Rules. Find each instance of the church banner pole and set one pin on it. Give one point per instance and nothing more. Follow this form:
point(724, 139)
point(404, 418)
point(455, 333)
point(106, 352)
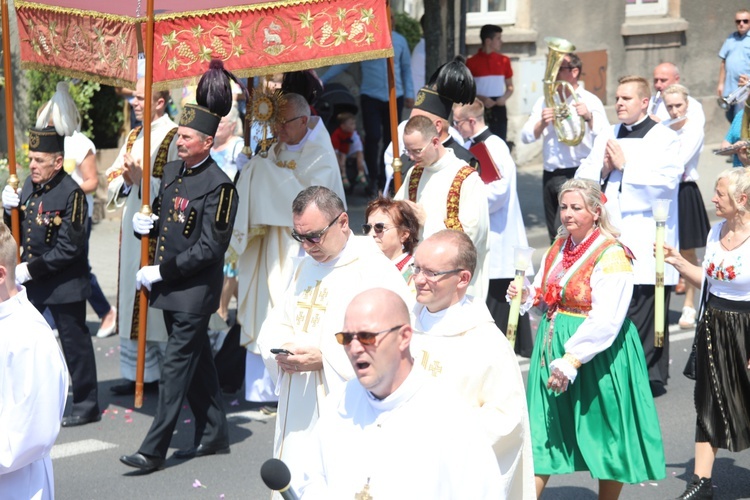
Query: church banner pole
point(13, 181)
point(140, 366)
point(393, 108)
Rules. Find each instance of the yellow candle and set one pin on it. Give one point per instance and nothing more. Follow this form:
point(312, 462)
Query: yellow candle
point(515, 308)
point(659, 288)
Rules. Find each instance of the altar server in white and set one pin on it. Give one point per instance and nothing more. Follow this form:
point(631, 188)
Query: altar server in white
point(457, 342)
point(338, 266)
point(637, 162)
point(33, 388)
point(262, 240)
point(394, 432)
point(451, 193)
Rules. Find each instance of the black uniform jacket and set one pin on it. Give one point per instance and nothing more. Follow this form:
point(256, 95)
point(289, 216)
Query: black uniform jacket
point(53, 240)
point(196, 208)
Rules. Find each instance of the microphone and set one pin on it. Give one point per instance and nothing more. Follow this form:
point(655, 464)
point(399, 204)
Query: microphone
point(277, 477)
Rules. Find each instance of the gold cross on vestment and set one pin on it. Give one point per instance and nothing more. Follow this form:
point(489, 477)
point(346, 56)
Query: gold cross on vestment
point(433, 367)
point(313, 300)
point(364, 494)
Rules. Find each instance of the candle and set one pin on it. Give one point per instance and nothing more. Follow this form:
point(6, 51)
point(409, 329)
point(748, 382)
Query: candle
point(660, 210)
point(521, 259)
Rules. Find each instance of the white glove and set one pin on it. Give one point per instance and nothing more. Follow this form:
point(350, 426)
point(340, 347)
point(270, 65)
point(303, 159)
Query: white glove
point(147, 276)
point(10, 198)
point(143, 224)
point(22, 272)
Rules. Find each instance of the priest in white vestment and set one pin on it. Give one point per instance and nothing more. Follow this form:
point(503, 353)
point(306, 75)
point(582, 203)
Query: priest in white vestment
point(637, 162)
point(394, 433)
point(457, 342)
point(124, 190)
point(33, 388)
point(452, 196)
point(262, 238)
point(338, 265)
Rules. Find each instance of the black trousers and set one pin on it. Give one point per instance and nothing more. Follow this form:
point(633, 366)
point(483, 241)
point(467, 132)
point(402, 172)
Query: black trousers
point(78, 350)
point(376, 119)
point(188, 370)
point(641, 313)
point(497, 121)
point(551, 184)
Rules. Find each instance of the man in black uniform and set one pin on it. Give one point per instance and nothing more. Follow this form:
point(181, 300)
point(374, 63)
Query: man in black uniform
point(54, 267)
point(196, 207)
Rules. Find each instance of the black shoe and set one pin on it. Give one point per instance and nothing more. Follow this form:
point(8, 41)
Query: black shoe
point(203, 450)
point(128, 388)
point(76, 420)
point(143, 462)
point(698, 489)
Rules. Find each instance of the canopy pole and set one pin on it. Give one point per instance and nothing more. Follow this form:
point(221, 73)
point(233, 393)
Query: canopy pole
point(13, 181)
point(140, 366)
point(393, 105)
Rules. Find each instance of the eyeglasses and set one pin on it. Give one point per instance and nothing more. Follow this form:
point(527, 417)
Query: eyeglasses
point(365, 338)
point(379, 227)
point(741, 21)
point(456, 123)
point(316, 236)
point(569, 68)
point(414, 152)
point(431, 275)
point(284, 123)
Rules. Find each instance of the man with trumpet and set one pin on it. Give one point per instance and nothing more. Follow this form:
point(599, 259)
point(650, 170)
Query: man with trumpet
point(561, 160)
point(666, 74)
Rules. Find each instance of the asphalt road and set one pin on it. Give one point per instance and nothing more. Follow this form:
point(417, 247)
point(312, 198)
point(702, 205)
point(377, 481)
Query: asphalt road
point(86, 458)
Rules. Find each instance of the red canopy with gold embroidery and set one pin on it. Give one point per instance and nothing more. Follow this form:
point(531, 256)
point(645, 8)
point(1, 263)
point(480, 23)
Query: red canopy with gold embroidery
point(101, 42)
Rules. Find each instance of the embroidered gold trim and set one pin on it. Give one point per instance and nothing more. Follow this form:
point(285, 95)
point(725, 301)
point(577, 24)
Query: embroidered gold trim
point(232, 10)
point(20, 4)
point(454, 197)
point(83, 75)
point(574, 362)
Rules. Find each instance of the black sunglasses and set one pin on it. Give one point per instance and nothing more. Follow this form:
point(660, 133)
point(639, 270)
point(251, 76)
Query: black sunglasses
point(317, 235)
point(365, 338)
point(379, 228)
point(741, 21)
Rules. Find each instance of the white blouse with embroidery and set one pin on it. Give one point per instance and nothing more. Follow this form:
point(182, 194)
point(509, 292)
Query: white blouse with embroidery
point(727, 271)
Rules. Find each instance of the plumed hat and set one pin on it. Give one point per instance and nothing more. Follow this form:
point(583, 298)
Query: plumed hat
point(213, 99)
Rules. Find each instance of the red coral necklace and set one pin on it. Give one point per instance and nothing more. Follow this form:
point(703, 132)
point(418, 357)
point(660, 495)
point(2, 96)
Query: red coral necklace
point(571, 255)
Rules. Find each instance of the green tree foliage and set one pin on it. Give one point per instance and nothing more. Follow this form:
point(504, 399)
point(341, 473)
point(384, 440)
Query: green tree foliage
point(409, 28)
point(100, 108)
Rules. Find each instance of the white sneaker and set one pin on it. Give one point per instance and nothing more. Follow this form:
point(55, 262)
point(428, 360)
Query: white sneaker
point(687, 320)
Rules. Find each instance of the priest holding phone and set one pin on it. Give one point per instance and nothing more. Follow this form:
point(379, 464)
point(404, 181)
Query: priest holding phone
point(338, 266)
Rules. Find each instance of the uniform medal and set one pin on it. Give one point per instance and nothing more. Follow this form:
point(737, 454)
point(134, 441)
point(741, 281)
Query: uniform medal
point(180, 204)
point(39, 219)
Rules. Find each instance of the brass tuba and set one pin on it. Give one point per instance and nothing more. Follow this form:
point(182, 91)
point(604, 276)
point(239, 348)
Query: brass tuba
point(554, 90)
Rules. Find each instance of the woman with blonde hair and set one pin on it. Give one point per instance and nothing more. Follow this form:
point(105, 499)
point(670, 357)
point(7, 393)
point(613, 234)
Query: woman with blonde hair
point(590, 406)
point(722, 339)
point(692, 219)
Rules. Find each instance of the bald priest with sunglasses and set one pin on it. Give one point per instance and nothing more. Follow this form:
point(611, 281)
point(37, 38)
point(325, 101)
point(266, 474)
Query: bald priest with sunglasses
point(457, 343)
point(297, 339)
point(394, 433)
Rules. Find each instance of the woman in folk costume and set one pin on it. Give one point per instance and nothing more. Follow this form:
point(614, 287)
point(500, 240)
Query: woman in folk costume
point(722, 344)
point(590, 405)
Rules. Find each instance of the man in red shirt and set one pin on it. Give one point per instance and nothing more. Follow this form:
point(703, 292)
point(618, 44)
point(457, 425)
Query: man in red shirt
point(494, 77)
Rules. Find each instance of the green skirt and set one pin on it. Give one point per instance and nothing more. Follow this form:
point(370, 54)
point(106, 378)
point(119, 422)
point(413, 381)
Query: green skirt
point(606, 421)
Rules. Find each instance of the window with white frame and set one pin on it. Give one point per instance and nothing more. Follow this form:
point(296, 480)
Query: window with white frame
point(634, 8)
point(481, 12)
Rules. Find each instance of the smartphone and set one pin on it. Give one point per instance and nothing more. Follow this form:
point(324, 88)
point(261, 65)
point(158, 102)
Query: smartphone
point(281, 351)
